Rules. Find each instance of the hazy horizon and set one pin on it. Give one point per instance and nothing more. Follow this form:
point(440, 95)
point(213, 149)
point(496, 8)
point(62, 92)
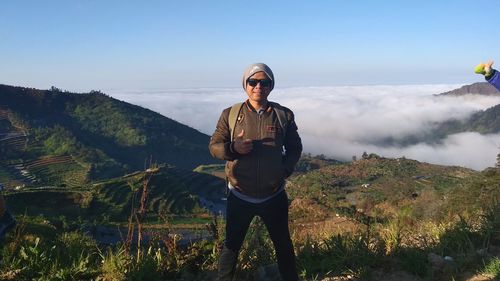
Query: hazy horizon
point(356, 117)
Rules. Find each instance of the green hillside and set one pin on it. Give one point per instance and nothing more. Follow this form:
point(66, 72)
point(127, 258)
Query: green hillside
point(172, 191)
point(51, 137)
point(374, 182)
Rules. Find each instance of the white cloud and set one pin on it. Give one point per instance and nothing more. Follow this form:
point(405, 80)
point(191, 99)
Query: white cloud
point(471, 150)
point(344, 121)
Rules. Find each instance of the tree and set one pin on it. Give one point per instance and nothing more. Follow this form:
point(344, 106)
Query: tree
point(498, 161)
point(55, 89)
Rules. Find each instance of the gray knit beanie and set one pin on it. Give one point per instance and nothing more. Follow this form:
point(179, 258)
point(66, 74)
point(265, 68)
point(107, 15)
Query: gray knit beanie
point(254, 68)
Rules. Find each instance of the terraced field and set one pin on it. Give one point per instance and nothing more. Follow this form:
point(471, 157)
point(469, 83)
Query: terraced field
point(12, 142)
point(169, 195)
point(11, 138)
point(49, 202)
point(171, 191)
point(205, 185)
point(60, 170)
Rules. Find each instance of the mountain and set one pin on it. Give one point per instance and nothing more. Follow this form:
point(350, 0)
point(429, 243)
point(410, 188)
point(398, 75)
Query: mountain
point(480, 88)
point(52, 137)
point(483, 122)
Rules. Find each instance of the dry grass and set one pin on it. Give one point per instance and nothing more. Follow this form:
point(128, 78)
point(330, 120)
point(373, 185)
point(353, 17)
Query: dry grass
point(320, 230)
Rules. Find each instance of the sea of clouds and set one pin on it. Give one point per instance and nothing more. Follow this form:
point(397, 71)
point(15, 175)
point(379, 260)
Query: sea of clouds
point(345, 121)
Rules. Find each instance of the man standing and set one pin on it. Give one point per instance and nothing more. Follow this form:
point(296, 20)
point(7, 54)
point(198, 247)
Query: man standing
point(260, 142)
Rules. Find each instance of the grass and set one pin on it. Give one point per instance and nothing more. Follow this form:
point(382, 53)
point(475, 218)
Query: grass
point(492, 267)
point(337, 255)
point(38, 251)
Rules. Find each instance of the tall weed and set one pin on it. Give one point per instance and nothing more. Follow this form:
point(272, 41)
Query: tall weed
point(114, 265)
point(338, 254)
point(492, 267)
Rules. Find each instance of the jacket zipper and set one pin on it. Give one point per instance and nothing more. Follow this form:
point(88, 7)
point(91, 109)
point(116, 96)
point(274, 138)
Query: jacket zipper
point(258, 154)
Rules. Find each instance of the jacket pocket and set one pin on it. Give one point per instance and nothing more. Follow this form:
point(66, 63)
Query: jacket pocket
point(243, 172)
point(273, 171)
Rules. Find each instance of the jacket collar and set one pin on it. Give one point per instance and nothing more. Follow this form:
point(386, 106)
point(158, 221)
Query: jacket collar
point(267, 108)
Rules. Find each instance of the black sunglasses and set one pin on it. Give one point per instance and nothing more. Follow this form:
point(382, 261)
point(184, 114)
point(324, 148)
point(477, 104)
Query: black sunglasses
point(263, 82)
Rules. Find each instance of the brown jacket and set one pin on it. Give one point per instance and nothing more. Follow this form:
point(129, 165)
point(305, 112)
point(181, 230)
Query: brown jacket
point(261, 172)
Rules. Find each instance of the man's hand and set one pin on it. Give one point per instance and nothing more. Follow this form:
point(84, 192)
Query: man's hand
point(242, 146)
point(484, 68)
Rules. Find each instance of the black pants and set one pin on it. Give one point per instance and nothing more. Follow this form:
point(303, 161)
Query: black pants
point(274, 214)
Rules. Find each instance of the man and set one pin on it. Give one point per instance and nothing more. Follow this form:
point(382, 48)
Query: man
point(256, 169)
point(491, 75)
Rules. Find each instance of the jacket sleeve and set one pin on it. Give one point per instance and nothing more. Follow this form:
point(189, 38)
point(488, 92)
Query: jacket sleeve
point(293, 146)
point(220, 145)
point(495, 79)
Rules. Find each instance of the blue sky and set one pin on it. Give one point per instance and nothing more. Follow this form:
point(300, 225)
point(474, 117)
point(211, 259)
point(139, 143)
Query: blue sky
point(99, 44)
